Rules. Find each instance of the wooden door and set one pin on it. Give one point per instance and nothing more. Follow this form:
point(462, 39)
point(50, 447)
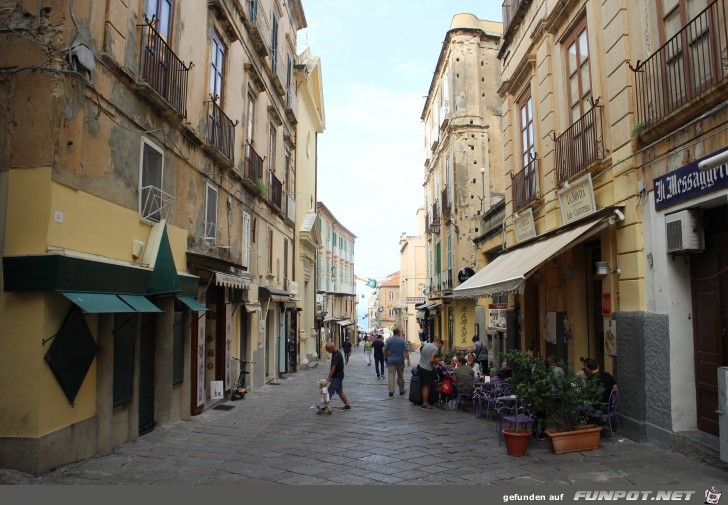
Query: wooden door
point(709, 282)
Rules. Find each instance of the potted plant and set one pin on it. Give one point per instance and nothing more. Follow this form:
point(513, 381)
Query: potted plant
point(532, 385)
point(568, 409)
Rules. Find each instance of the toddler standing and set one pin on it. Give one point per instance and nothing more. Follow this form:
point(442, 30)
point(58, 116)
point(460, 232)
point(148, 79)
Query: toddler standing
point(325, 398)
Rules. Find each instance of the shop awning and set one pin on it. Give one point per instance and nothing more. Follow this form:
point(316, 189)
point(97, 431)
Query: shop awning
point(231, 281)
point(329, 319)
point(345, 322)
point(508, 271)
point(95, 303)
point(139, 303)
point(273, 294)
point(192, 303)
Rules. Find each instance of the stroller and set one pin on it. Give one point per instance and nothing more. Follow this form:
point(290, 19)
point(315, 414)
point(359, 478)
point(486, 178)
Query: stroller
point(445, 387)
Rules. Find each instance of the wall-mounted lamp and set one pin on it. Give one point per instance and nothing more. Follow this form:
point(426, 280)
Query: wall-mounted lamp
point(602, 268)
point(435, 228)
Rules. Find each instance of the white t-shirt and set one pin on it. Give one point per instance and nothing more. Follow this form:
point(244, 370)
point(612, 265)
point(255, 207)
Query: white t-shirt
point(325, 394)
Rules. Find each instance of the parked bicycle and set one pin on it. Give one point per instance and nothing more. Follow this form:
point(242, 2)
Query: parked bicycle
point(239, 390)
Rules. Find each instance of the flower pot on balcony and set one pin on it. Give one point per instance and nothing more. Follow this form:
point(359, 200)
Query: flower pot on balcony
point(516, 441)
point(583, 438)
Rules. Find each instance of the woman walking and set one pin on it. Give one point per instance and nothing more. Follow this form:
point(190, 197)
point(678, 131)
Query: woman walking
point(368, 349)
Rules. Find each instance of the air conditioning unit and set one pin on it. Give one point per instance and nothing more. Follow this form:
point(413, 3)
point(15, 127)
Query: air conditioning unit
point(684, 232)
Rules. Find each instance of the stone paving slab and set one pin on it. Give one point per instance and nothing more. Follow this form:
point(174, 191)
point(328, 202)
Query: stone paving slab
point(273, 437)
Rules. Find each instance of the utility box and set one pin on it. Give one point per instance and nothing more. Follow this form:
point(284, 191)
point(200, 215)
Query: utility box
point(723, 411)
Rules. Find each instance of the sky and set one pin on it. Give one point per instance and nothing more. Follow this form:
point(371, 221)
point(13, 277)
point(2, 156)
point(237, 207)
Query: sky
point(377, 62)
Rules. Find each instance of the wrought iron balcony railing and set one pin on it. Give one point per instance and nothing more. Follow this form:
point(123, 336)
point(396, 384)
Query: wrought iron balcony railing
point(160, 67)
point(446, 203)
point(525, 185)
point(253, 168)
point(688, 64)
point(155, 204)
point(276, 191)
point(260, 28)
point(580, 145)
point(447, 279)
point(220, 130)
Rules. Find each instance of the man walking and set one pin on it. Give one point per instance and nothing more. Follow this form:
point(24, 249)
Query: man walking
point(378, 346)
point(395, 354)
point(336, 375)
point(347, 350)
point(428, 358)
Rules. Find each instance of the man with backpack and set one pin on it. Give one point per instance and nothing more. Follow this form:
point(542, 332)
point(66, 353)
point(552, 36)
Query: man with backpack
point(481, 354)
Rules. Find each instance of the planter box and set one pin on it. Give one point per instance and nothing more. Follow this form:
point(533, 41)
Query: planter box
point(584, 438)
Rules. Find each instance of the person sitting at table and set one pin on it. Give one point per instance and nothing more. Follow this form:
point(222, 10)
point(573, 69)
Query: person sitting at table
point(464, 377)
point(454, 360)
point(551, 364)
point(604, 378)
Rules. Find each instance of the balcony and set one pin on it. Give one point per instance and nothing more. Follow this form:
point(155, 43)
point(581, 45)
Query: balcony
point(281, 79)
point(259, 27)
point(220, 133)
point(253, 167)
point(580, 145)
point(446, 201)
point(525, 185)
point(686, 66)
point(275, 192)
point(446, 281)
point(291, 104)
point(163, 71)
point(513, 13)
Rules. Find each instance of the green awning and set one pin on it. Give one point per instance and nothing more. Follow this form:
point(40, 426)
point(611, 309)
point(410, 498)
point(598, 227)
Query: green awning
point(192, 303)
point(140, 303)
point(94, 303)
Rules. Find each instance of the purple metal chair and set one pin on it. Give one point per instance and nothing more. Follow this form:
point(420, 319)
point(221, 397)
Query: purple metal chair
point(611, 411)
point(509, 414)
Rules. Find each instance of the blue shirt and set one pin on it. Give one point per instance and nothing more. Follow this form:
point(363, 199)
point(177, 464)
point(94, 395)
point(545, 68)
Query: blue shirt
point(395, 347)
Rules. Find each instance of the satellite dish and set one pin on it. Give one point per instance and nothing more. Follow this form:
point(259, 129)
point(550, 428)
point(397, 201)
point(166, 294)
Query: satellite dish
point(464, 274)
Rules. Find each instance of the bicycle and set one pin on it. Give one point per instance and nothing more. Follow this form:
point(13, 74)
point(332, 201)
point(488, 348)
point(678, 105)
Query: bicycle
point(239, 390)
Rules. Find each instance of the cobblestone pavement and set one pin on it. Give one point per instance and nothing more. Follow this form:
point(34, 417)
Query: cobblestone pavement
point(273, 436)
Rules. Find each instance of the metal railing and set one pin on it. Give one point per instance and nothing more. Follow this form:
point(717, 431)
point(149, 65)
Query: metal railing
point(447, 279)
point(510, 8)
point(580, 145)
point(155, 204)
point(446, 203)
point(160, 67)
point(525, 185)
point(276, 191)
point(259, 23)
point(253, 168)
point(692, 61)
point(220, 130)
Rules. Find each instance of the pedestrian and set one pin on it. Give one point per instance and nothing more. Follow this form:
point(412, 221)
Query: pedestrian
point(481, 354)
point(378, 346)
point(395, 354)
point(325, 404)
point(428, 358)
point(336, 375)
point(347, 350)
point(368, 351)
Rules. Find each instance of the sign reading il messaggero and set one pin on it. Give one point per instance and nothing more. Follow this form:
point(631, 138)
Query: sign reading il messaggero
point(689, 182)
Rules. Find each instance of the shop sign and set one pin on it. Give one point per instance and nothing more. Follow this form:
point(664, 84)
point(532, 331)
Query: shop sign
point(497, 316)
point(577, 200)
point(689, 182)
point(415, 299)
point(524, 226)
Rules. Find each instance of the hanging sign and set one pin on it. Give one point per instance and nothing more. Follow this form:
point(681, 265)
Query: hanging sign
point(577, 200)
point(524, 227)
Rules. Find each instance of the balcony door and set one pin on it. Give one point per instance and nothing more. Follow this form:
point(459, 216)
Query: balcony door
point(580, 98)
point(688, 58)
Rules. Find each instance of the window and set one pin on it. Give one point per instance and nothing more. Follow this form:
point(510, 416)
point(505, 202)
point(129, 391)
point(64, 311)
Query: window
point(391, 313)
point(285, 258)
point(391, 295)
point(217, 61)
point(448, 189)
point(274, 45)
point(449, 251)
point(246, 241)
point(528, 149)
point(577, 71)
point(270, 251)
point(161, 12)
point(150, 181)
point(211, 215)
point(250, 125)
point(272, 154)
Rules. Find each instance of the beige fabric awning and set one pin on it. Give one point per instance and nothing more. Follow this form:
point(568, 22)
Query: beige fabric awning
point(508, 271)
point(231, 281)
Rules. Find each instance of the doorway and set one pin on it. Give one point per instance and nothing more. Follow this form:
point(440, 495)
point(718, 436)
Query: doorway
point(709, 287)
point(147, 336)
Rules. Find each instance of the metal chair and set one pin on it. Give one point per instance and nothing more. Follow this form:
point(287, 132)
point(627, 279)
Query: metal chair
point(611, 411)
point(464, 393)
point(512, 414)
point(494, 390)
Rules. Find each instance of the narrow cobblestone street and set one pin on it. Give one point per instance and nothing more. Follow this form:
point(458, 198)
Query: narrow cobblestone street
point(273, 436)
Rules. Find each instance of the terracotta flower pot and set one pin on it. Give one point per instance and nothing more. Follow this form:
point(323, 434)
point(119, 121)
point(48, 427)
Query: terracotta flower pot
point(584, 438)
point(516, 441)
